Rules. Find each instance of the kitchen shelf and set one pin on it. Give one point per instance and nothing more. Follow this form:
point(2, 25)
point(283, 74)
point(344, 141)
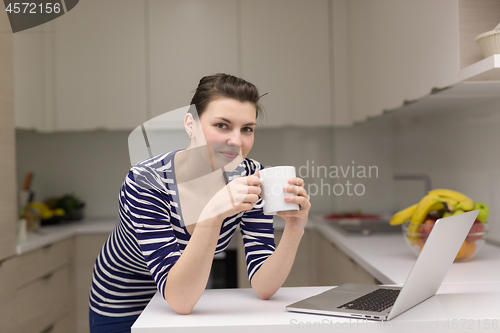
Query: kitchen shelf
point(485, 70)
point(477, 84)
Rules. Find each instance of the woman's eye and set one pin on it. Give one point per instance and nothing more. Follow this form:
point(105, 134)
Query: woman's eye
point(247, 129)
point(221, 126)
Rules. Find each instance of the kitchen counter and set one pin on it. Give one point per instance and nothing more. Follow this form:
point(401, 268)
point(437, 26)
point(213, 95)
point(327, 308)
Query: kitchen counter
point(50, 234)
point(389, 259)
point(240, 310)
point(471, 291)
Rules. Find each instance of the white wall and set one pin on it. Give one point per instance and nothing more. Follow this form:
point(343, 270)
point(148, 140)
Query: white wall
point(459, 151)
point(92, 165)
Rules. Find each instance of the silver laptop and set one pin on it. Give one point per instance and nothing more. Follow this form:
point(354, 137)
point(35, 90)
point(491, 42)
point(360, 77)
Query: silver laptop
point(384, 303)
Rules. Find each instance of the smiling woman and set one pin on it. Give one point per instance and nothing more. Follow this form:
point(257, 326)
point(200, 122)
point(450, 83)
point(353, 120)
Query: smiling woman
point(177, 210)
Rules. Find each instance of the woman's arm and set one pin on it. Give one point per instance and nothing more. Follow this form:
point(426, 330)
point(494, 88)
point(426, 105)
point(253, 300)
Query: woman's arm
point(188, 278)
point(274, 271)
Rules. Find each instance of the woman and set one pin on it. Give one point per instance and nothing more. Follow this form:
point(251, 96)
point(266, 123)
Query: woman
point(179, 209)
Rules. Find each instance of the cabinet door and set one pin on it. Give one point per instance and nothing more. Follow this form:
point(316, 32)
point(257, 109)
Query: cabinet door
point(8, 204)
point(189, 39)
point(87, 248)
point(100, 66)
point(285, 52)
point(8, 275)
point(34, 78)
point(400, 50)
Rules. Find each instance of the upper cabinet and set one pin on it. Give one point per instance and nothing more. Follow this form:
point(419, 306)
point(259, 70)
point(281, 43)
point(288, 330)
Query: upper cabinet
point(83, 71)
point(100, 66)
point(404, 53)
point(285, 47)
point(186, 41)
point(8, 202)
point(115, 64)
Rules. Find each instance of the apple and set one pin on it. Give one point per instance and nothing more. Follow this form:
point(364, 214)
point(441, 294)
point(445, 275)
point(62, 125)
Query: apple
point(426, 228)
point(476, 231)
point(483, 211)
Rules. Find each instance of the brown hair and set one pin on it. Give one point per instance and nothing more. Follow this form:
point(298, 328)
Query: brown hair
point(223, 85)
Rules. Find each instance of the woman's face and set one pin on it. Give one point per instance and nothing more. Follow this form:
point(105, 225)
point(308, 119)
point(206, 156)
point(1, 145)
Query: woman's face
point(228, 127)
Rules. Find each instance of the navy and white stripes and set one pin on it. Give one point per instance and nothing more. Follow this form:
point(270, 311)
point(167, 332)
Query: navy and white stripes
point(149, 238)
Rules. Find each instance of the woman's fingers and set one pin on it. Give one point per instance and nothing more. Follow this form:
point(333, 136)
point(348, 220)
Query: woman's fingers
point(296, 181)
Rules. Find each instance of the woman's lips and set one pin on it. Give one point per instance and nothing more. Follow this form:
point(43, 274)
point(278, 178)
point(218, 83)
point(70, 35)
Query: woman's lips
point(230, 154)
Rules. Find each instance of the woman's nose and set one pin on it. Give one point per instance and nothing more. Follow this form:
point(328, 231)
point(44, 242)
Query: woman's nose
point(235, 138)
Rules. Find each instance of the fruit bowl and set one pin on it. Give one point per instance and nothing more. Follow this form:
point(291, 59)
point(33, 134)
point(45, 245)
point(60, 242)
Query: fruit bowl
point(471, 246)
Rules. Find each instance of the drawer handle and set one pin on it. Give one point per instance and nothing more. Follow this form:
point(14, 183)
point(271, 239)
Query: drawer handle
point(48, 329)
point(47, 276)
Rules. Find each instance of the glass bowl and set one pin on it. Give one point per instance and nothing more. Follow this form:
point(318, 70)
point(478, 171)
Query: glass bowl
point(416, 235)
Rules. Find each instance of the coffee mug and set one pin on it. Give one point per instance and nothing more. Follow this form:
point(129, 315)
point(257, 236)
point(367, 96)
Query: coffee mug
point(272, 181)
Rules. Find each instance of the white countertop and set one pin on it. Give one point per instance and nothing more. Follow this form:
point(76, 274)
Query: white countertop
point(471, 291)
point(389, 259)
point(53, 233)
point(240, 310)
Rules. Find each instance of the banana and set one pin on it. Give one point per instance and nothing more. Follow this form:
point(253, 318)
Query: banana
point(428, 203)
point(464, 202)
point(403, 215)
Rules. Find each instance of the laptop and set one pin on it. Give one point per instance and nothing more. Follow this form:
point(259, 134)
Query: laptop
point(377, 302)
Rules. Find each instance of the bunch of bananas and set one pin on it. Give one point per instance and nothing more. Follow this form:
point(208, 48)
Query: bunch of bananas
point(446, 202)
point(436, 204)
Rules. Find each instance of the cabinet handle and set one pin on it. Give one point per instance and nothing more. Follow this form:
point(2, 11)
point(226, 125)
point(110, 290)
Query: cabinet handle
point(48, 329)
point(47, 276)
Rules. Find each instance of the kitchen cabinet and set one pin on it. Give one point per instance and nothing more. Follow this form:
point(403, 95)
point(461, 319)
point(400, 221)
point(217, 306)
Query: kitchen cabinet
point(8, 313)
point(336, 268)
point(285, 53)
point(304, 269)
point(87, 247)
point(406, 51)
point(100, 72)
point(188, 40)
point(45, 276)
point(34, 78)
point(8, 190)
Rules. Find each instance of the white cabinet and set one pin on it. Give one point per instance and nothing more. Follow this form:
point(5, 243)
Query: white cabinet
point(87, 249)
point(34, 78)
point(285, 52)
point(99, 63)
point(406, 51)
point(188, 40)
point(400, 50)
point(8, 202)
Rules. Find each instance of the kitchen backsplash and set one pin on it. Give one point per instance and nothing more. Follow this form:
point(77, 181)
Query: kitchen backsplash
point(345, 168)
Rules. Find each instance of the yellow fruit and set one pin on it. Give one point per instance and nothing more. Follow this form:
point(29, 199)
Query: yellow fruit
point(403, 215)
point(464, 202)
point(59, 212)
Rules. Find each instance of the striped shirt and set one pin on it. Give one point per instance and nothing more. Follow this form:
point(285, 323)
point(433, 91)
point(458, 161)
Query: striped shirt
point(149, 238)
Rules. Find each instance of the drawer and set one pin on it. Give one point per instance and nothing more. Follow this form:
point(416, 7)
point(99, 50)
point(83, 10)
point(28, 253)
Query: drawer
point(63, 325)
point(41, 303)
point(8, 296)
point(38, 263)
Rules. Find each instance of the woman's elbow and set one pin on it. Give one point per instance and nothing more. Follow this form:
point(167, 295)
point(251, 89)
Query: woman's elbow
point(180, 307)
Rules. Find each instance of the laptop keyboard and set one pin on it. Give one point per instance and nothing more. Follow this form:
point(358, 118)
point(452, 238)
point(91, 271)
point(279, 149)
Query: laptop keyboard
point(376, 301)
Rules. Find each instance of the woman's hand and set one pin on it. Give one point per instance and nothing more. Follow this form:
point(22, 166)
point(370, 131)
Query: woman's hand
point(237, 196)
point(296, 219)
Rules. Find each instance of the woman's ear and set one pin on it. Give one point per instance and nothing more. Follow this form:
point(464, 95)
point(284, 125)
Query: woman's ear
point(189, 124)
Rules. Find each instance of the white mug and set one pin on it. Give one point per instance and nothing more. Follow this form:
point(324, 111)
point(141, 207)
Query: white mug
point(272, 181)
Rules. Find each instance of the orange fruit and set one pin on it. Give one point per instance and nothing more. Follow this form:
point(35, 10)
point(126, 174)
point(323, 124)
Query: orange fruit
point(462, 250)
point(469, 250)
